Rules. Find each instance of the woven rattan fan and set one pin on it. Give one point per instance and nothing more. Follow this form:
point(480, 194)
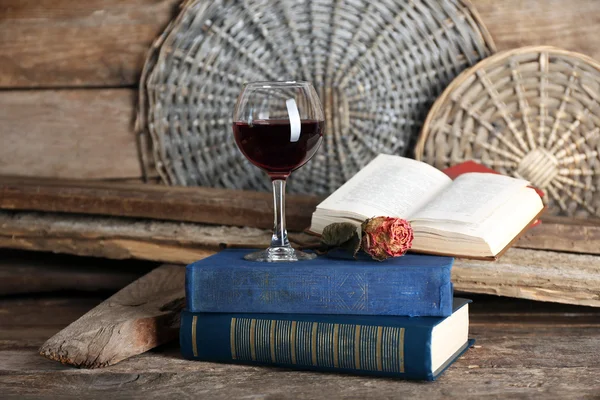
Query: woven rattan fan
point(533, 113)
point(377, 65)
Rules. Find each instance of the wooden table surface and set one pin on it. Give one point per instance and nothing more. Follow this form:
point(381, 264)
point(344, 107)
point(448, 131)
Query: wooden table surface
point(524, 349)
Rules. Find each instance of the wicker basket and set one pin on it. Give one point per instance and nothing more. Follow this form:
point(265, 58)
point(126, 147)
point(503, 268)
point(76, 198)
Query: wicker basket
point(533, 113)
point(377, 65)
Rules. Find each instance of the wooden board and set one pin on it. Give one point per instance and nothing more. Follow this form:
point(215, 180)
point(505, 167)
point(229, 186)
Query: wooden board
point(531, 274)
point(27, 273)
point(523, 350)
point(79, 134)
point(227, 207)
point(122, 238)
point(570, 24)
point(102, 44)
point(564, 234)
point(22, 325)
point(71, 43)
point(198, 204)
point(536, 275)
point(139, 317)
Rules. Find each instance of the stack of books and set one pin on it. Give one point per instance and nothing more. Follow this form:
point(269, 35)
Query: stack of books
point(392, 318)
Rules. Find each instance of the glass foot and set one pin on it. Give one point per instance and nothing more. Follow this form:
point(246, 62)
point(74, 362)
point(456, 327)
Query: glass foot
point(279, 254)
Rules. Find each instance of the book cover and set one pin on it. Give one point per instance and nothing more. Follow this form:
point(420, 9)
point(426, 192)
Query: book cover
point(411, 285)
point(372, 345)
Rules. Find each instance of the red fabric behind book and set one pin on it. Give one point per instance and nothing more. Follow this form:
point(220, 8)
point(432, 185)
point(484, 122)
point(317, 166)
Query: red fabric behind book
point(467, 166)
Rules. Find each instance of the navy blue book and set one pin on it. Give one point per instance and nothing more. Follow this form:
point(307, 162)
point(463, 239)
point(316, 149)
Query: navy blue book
point(411, 285)
point(411, 348)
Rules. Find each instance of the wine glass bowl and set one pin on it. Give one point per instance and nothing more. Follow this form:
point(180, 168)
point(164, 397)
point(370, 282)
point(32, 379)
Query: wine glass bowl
point(278, 126)
point(268, 145)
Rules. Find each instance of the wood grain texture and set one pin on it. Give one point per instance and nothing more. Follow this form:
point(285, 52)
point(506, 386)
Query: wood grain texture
point(122, 238)
point(522, 273)
point(69, 43)
point(78, 134)
point(27, 273)
point(197, 204)
point(22, 325)
point(570, 24)
point(228, 207)
point(524, 350)
point(535, 275)
point(564, 234)
point(139, 317)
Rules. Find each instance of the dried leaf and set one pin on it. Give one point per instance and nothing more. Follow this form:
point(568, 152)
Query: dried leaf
point(336, 234)
point(343, 236)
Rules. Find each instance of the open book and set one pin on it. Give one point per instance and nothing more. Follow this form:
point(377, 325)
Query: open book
point(478, 215)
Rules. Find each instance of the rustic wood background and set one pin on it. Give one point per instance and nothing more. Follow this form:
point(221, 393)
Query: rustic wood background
point(524, 350)
point(69, 71)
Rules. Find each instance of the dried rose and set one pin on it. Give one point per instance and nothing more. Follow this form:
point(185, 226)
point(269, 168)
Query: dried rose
point(385, 237)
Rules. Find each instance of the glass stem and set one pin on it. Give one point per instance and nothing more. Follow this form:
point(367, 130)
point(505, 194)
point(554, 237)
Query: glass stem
point(280, 238)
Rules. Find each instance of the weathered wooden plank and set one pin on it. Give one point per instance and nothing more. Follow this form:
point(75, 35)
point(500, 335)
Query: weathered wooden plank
point(486, 372)
point(122, 238)
point(59, 310)
point(197, 204)
point(524, 349)
point(564, 234)
point(140, 317)
point(23, 326)
point(78, 134)
point(67, 43)
point(27, 322)
point(27, 273)
point(227, 207)
point(570, 24)
point(220, 381)
point(535, 275)
point(522, 273)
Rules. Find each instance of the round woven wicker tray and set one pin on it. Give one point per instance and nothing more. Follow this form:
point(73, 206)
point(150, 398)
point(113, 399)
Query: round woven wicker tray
point(377, 66)
point(533, 113)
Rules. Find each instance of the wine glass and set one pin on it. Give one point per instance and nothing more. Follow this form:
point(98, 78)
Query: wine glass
point(278, 126)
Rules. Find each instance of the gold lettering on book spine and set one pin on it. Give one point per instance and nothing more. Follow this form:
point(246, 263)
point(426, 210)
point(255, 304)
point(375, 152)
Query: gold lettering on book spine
point(272, 341)
point(232, 338)
point(252, 339)
point(401, 346)
point(313, 343)
point(357, 347)
point(336, 341)
point(293, 342)
point(194, 344)
point(378, 349)
point(348, 346)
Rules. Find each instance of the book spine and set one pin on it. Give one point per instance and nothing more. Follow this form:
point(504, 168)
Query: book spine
point(322, 344)
point(371, 290)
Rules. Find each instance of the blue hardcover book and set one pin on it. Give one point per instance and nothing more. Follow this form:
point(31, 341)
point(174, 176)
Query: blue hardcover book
point(411, 348)
point(412, 285)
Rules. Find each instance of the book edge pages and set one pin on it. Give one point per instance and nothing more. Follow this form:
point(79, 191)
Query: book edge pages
point(488, 258)
point(468, 257)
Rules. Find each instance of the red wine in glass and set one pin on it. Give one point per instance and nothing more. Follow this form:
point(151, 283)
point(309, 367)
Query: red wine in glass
point(277, 146)
point(278, 126)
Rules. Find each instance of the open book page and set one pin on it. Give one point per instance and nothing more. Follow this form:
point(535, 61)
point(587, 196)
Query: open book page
point(488, 237)
point(471, 198)
point(389, 185)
